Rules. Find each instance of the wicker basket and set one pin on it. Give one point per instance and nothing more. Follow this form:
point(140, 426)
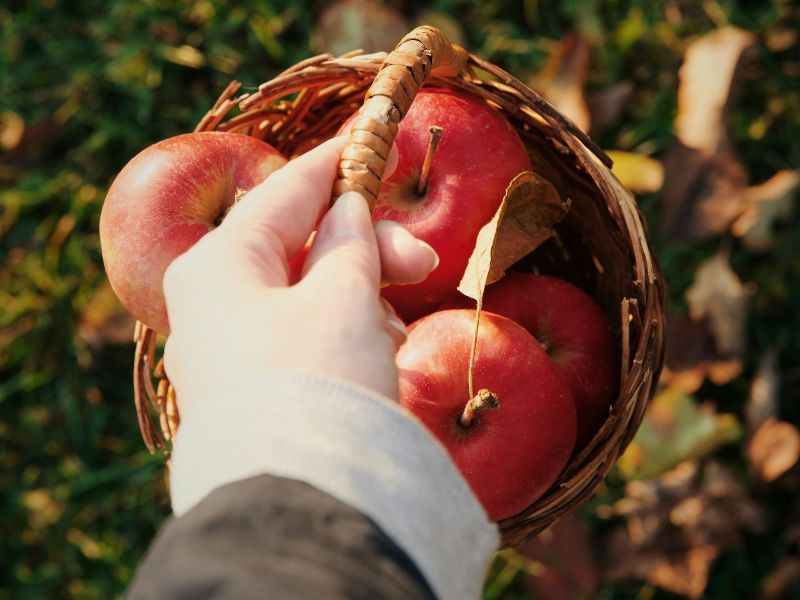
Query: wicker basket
point(601, 245)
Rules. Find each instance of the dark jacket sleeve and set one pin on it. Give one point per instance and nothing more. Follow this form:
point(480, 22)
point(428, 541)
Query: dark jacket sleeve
point(270, 537)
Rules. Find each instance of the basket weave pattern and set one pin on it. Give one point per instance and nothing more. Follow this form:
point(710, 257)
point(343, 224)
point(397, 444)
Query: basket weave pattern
point(603, 233)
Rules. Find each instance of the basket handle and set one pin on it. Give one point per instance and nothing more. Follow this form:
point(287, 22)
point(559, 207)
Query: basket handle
point(403, 73)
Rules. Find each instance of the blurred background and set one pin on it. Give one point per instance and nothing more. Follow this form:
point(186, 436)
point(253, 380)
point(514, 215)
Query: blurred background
point(697, 101)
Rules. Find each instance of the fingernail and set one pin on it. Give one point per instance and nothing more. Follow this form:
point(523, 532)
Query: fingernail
point(349, 217)
point(397, 324)
point(428, 248)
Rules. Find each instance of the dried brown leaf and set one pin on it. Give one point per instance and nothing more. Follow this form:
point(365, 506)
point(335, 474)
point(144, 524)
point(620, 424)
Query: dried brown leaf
point(703, 194)
point(566, 552)
point(719, 297)
point(773, 449)
point(370, 25)
point(12, 130)
point(707, 81)
point(682, 571)
point(764, 205)
point(762, 404)
point(563, 79)
point(640, 174)
point(690, 357)
point(526, 216)
point(677, 524)
point(648, 546)
point(19, 140)
point(780, 38)
point(705, 181)
point(606, 105)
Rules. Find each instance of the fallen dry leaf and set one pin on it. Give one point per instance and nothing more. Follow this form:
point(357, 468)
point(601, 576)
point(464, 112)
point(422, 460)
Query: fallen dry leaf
point(674, 429)
point(369, 25)
point(566, 553)
point(526, 216)
point(707, 80)
point(682, 571)
point(764, 205)
point(563, 79)
point(20, 141)
point(780, 38)
point(677, 524)
point(773, 449)
point(640, 174)
point(12, 130)
point(705, 181)
point(719, 297)
point(606, 105)
point(690, 357)
point(762, 403)
point(703, 194)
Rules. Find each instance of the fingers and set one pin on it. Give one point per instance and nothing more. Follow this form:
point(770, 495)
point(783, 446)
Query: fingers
point(289, 202)
point(275, 218)
point(404, 258)
point(395, 326)
point(345, 252)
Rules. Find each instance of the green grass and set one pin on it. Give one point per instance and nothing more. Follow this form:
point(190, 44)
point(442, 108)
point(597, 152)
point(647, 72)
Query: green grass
point(95, 82)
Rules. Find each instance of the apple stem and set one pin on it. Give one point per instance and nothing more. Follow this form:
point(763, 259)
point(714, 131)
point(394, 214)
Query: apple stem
point(433, 144)
point(482, 400)
point(544, 343)
point(237, 196)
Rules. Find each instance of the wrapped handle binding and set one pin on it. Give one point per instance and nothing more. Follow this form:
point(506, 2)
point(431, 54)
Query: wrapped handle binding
point(403, 73)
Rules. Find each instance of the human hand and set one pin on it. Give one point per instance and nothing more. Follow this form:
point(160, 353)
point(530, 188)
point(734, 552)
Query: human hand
point(234, 316)
point(258, 366)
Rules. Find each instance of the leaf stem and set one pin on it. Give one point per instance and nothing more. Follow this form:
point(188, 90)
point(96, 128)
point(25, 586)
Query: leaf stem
point(474, 346)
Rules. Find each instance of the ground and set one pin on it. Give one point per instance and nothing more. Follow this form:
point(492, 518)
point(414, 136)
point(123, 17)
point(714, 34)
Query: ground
point(85, 86)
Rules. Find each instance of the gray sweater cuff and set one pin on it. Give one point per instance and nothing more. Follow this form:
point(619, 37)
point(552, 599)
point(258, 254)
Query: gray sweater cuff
point(353, 444)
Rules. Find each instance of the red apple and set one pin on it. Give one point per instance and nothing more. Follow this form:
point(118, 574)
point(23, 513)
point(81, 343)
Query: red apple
point(478, 155)
point(573, 330)
point(509, 456)
point(164, 200)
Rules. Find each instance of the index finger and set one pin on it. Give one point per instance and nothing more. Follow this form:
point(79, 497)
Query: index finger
point(289, 203)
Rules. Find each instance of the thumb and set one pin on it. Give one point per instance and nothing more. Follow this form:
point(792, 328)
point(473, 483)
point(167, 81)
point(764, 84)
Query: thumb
point(345, 251)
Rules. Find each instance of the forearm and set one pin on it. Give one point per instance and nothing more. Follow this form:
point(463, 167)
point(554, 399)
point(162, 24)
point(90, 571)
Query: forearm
point(354, 445)
point(271, 537)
